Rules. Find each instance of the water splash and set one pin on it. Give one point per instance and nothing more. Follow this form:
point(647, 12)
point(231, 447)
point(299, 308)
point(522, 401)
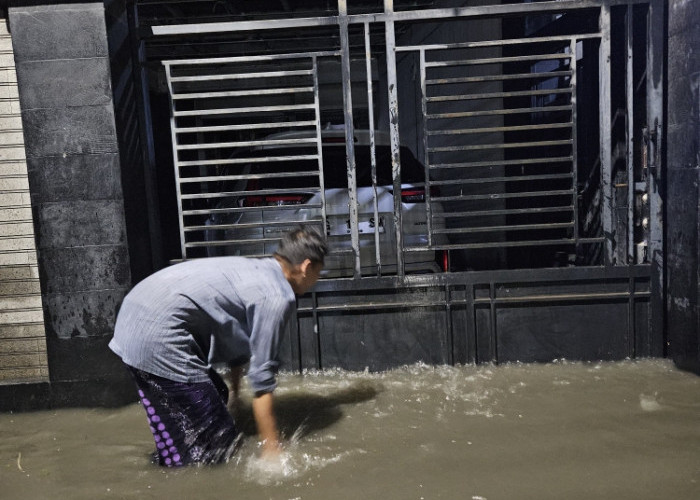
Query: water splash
point(291, 464)
point(266, 471)
point(294, 461)
point(649, 402)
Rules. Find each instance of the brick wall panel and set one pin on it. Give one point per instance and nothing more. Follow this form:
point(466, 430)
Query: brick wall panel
point(23, 354)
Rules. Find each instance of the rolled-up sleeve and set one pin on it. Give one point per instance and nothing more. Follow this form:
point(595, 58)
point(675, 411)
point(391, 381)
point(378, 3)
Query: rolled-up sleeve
point(268, 318)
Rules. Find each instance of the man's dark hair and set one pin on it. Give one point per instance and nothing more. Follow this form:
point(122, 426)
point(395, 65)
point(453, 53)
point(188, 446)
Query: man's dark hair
point(300, 244)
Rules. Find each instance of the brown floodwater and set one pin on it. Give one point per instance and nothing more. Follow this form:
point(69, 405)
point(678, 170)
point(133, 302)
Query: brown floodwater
point(625, 430)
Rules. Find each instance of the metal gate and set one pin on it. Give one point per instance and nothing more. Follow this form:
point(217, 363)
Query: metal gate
point(439, 150)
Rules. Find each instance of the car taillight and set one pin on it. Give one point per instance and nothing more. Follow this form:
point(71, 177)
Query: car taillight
point(275, 200)
point(445, 260)
point(417, 195)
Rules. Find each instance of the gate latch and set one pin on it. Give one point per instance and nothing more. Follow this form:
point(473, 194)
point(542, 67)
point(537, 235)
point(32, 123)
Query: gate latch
point(650, 150)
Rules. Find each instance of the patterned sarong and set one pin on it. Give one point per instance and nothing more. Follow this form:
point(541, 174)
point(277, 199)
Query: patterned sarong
point(189, 422)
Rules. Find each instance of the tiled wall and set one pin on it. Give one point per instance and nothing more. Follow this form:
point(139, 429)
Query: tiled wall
point(22, 334)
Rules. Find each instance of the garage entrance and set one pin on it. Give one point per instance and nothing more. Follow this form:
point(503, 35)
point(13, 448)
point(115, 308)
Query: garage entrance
point(487, 175)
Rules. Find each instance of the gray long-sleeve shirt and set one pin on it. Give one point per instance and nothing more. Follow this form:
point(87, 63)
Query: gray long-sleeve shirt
point(178, 321)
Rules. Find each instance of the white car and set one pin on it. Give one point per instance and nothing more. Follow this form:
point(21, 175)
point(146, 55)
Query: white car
point(251, 224)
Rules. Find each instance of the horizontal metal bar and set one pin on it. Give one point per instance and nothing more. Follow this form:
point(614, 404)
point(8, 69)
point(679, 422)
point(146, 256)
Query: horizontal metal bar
point(235, 111)
point(261, 192)
point(367, 306)
point(237, 26)
point(251, 225)
point(514, 128)
point(239, 242)
point(238, 59)
point(504, 228)
point(223, 243)
point(209, 211)
point(491, 112)
point(344, 238)
point(488, 180)
point(243, 93)
point(239, 161)
point(505, 163)
point(501, 196)
point(568, 297)
point(498, 43)
point(241, 76)
point(246, 126)
point(245, 177)
point(565, 297)
point(504, 145)
point(495, 78)
point(495, 60)
point(501, 244)
point(497, 95)
point(508, 211)
point(242, 144)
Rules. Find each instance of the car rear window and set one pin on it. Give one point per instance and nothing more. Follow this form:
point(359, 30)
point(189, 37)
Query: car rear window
point(334, 167)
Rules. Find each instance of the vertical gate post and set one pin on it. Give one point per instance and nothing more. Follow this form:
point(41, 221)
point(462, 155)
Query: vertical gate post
point(574, 141)
point(394, 129)
point(176, 166)
point(605, 127)
point(655, 116)
point(372, 146)
point(629, 93)
point(426, 161)
point(349, 134)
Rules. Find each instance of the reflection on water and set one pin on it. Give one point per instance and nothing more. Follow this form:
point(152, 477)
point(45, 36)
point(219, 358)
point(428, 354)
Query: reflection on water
point(627, 430)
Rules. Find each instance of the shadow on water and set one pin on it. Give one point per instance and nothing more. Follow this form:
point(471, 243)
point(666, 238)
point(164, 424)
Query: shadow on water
point(300, 413)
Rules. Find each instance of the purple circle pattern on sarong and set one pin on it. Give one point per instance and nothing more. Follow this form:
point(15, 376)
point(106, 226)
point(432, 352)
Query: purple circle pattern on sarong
point(160, 435)
point(189, 421)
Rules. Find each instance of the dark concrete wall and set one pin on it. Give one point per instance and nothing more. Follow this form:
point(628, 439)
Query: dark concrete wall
point(131, 109)
point(73, 160)
point(683, 184)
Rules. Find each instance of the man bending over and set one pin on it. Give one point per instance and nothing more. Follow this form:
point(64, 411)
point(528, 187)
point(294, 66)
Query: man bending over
point(176, 323)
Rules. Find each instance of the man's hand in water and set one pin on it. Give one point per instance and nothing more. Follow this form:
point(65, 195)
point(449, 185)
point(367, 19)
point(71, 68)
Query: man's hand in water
point(272, 451)
point(267, 425)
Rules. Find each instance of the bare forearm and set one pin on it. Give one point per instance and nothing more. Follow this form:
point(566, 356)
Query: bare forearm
point(267, 425)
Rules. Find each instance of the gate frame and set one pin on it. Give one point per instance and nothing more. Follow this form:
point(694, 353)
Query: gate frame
point(653, 343)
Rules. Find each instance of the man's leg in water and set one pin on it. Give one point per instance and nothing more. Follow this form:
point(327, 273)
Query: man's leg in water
point(190, 422)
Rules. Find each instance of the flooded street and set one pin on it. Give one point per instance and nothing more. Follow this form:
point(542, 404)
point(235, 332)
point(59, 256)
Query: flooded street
point(628, 430)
